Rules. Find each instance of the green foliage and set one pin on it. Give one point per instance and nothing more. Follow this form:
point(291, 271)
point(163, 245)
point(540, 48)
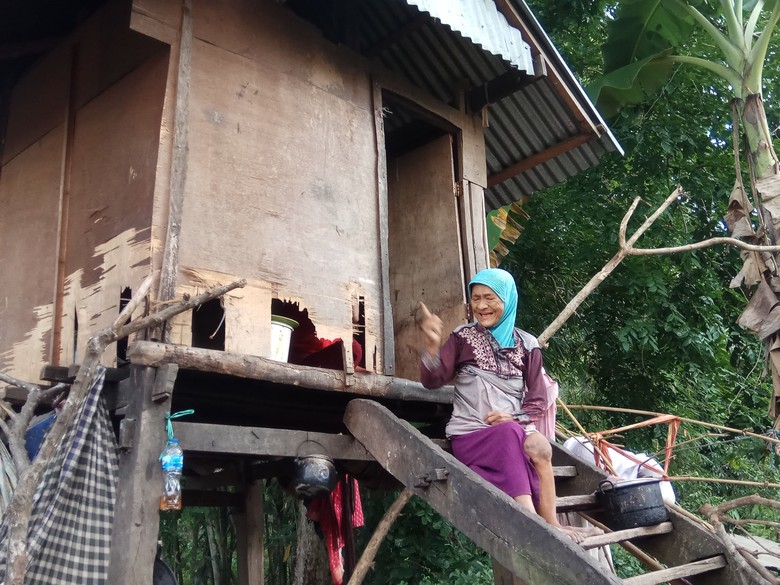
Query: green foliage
point(199, 545)
point(660, 333)
point(422, 548)
point(646, 37)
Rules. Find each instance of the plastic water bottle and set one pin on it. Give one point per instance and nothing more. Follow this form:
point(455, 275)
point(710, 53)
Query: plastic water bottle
point(172, 460)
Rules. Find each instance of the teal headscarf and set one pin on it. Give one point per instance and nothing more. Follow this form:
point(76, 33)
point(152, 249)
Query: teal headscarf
point(502, 283)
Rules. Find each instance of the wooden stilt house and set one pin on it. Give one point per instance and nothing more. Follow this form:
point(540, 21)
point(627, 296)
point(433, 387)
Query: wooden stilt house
point(340, 155)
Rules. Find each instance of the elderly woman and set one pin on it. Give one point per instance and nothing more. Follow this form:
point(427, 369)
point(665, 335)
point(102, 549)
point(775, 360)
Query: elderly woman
point(499, 395)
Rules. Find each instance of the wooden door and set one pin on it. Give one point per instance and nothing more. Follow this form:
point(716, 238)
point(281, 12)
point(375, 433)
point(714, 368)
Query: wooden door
point(424, 246)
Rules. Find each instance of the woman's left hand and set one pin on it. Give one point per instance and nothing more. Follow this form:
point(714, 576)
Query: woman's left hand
point(495, 417)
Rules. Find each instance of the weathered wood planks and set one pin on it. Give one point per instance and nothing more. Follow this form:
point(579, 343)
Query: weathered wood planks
point(246, 366)
point(517, 539)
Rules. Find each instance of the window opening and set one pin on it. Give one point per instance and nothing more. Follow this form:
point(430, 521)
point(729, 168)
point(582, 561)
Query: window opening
point(121, 346)
point(306, 347)
point(208, 326)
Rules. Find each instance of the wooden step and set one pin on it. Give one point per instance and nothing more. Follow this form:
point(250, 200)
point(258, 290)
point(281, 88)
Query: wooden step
point(563, 471)
point(627, 534)
point(679, 572)
point(576, 503)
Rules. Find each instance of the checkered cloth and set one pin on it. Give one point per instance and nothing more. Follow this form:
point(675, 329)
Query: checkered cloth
point(73, 509)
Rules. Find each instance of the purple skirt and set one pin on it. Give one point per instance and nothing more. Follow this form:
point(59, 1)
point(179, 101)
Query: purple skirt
point(496, 454)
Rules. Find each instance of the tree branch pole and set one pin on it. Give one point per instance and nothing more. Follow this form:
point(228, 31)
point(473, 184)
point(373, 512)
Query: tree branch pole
point(626, 248)
point(20, 507)
point(601, 276)
point(367, 558)
point(715, 515)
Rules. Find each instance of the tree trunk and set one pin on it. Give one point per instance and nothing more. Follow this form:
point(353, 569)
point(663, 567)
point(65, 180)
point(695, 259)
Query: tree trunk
point(765, 182)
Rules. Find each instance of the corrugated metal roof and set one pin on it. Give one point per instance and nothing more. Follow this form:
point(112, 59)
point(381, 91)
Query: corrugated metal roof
point(445, 46)
point(480, 22)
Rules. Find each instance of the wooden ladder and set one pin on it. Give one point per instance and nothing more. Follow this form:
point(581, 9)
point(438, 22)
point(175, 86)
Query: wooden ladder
point(524, 545)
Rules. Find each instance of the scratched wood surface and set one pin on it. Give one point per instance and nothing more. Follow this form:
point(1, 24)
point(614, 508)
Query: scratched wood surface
point(425, 249)
point(29, 199)
point(108, 234)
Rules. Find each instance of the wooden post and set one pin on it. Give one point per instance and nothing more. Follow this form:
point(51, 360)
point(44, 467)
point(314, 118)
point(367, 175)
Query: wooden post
point(136, 518)
point(249, 535)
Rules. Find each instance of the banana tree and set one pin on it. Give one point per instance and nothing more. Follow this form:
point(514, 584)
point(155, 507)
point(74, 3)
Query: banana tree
point(647, 39)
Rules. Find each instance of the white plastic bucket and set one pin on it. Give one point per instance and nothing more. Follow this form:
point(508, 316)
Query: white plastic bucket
point(281, 331)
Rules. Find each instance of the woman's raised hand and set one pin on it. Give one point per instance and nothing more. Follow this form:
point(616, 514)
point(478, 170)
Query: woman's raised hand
point(432, 328)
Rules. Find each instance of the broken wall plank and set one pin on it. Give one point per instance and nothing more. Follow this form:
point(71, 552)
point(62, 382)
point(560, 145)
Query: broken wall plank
point(246, 366)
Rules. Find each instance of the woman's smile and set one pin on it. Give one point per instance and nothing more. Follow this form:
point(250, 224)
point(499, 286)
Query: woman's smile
point(486, 306)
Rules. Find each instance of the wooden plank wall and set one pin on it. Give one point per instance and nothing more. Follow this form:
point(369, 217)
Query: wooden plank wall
point(425, 248)
point(81, 139)
point(112, 186)
point(281, 184)
point(28, 254)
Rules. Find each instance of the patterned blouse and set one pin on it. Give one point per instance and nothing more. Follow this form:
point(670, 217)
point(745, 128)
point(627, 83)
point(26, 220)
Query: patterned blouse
point(487, 377)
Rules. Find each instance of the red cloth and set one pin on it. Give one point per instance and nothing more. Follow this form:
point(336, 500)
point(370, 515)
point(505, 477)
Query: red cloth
point(327, 510)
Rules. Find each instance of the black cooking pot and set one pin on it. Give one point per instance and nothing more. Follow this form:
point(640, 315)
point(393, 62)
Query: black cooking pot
point(632, 503)
point(314, 475)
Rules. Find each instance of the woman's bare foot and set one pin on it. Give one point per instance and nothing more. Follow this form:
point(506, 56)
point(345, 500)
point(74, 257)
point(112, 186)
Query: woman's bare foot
point(580, 533)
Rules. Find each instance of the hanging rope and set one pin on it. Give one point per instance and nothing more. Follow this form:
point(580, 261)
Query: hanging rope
point(169, 417)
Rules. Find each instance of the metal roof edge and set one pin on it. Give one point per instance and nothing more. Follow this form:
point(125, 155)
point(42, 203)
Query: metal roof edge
point(552, 53)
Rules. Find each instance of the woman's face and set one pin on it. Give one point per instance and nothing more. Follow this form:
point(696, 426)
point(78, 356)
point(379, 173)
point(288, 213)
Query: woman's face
point(486, 305)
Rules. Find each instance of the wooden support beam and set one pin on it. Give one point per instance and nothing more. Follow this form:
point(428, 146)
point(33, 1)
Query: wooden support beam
point(261, 442)
point(170, 260)
point(151, 353)
point(537, 159)
point(388, 339)
point(515, 537)
point(538, 49)
point(498, 88)
point(136, 518)
point(249, 535)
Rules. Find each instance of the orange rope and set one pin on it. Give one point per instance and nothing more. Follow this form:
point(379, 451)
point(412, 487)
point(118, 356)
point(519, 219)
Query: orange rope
point(603, 446)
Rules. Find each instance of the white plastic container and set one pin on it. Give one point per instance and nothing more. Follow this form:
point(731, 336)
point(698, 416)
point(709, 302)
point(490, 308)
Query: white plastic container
point(281, 331)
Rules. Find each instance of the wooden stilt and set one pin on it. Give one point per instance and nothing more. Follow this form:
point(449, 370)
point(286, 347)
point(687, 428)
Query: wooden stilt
point(250, 533)
point(136, 519)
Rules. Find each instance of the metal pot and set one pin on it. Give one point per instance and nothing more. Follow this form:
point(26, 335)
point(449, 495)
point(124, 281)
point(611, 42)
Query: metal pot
point(632, 503)
point(314, 475)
